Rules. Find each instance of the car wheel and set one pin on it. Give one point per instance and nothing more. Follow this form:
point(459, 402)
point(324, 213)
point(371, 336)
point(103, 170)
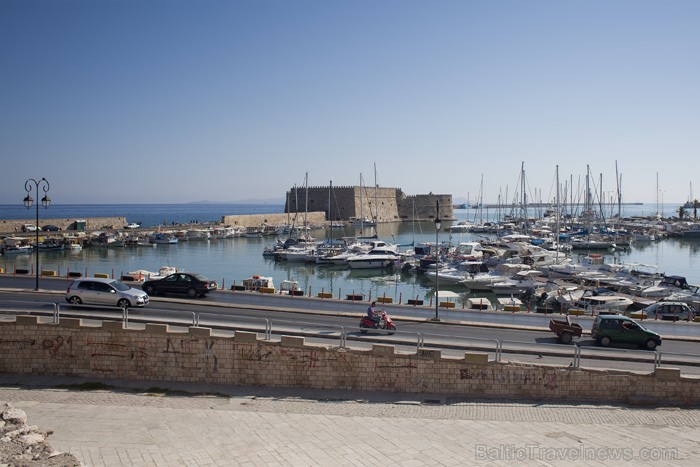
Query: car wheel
point(650, 344)
point(604, 341)
point(192, 293)
point(123, 303)
point(75, 300)
point(566, 337)
point(149, 289)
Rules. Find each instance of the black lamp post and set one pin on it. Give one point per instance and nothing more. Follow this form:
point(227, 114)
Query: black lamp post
point(28, 201)
point(438, 224)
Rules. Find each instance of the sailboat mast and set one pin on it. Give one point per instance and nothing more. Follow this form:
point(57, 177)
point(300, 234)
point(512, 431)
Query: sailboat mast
point(523, 200)
point(602, 200)
point(306, 205)
point(556, 239)
point(330, 206)
point(657, 194)
point(481, 201)
point(618, 178)
point(362, 216)
point(296, 211)
point(376, 201)
point(289, 207)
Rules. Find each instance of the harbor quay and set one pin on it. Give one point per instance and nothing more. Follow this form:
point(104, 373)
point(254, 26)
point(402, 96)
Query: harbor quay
point(67, 225)
point(14, 226)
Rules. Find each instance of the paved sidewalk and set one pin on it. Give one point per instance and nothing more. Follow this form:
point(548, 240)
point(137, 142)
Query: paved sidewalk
point(198, 425)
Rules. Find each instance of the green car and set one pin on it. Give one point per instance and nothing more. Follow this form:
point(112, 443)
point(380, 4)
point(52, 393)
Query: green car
point(619, 329)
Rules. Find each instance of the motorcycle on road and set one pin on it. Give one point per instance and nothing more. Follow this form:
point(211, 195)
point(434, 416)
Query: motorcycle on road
point(384, 323)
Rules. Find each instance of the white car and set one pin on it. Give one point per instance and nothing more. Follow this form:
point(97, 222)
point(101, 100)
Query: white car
point(29, 228)
point(133, 225)
point(109, 292)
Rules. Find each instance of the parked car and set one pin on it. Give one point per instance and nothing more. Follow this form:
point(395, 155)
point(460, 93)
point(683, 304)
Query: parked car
point(620, 329)
point(28, 228)
point(192, 284)
point(673, 311)
point(133, 225)
point(50, 228)
point(109, 292)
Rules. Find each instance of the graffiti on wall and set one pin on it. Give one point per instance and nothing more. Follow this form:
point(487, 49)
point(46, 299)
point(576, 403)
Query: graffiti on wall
point(58, 347)
point(105, 354)
point(185, 353)
point(16, 344)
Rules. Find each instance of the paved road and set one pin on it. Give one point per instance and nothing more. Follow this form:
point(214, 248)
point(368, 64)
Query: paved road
point(667, 329)
point(128, 426)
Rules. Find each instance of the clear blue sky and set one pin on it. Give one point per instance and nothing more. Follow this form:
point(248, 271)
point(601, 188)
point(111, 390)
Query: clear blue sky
point(179, 101)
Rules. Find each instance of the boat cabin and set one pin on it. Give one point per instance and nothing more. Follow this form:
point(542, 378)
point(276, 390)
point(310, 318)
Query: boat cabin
point(479, 303)
point(256, 283)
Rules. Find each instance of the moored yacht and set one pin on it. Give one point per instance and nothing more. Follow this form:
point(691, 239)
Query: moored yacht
point(381, 255)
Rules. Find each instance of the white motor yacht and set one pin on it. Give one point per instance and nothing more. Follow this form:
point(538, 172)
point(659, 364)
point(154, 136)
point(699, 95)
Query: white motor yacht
point(381, 255)
point(519, 283)
point(484, 280)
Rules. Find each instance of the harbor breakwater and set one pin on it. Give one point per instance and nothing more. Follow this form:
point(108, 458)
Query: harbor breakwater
point(107, 350)
point(14, 226)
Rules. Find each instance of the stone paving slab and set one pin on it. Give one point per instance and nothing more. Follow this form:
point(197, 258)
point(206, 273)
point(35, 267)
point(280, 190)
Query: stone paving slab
point(124, 426)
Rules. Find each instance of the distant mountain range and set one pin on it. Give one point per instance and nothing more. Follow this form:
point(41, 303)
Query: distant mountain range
point(274, 201)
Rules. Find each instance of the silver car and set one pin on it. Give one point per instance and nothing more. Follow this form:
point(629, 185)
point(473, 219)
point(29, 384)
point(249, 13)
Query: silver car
point(673, 311)
point(108, 292)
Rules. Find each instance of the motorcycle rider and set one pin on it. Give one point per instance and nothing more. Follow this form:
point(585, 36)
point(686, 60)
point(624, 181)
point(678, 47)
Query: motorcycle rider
point(372, 313)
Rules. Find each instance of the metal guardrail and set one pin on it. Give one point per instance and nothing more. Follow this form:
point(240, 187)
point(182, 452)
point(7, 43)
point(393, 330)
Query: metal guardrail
point(343, 332)
point(124, 312)
point(195, 319)
point(660, 355)
point(267, 329)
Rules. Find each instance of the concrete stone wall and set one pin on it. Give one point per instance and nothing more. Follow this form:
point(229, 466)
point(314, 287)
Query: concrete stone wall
point(382, 204)
point(92, 223)
point(195, 355)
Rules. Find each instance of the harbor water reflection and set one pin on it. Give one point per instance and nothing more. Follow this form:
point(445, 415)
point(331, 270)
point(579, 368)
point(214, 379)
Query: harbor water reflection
point(234, 259)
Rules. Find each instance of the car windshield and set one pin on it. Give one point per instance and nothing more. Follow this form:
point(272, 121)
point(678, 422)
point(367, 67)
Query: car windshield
point(119, 286)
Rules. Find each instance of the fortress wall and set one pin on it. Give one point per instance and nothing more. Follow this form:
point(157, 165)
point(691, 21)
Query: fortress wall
point(424, 207)
point(385, 198)
point(159, 353)
point(257, 220)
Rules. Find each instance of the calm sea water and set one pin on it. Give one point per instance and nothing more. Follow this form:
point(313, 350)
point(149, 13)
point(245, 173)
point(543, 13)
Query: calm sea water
point(235, 259)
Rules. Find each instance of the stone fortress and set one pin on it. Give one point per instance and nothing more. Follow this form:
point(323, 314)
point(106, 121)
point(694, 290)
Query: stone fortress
point(377, 204)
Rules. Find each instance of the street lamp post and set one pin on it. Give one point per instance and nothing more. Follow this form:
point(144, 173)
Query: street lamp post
point(438, 224)
point(45, 201)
